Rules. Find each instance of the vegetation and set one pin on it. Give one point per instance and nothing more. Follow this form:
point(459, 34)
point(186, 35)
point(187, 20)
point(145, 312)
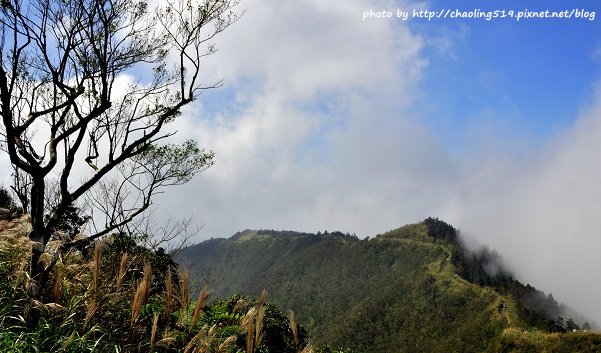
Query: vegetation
point(413, 289)
point(121, 297)
point(485, 268)
point(63, 109)
point(78, 135)
point(403, 291)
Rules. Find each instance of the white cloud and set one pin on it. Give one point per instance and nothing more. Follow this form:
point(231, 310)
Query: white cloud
point(326, 139)
point(325, 126)
point(542, 213)
point(303, 48)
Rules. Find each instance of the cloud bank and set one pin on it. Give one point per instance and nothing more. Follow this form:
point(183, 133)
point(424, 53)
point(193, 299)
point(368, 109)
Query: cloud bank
point(316, 129)
point(322, 125)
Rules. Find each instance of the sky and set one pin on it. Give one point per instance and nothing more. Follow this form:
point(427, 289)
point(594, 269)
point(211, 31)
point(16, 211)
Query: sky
point(327, 120)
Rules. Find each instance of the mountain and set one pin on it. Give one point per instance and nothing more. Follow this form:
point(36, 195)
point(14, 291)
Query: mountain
point(413, 289)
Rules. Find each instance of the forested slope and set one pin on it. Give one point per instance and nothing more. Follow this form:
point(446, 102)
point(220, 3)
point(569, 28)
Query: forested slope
point(412, 289)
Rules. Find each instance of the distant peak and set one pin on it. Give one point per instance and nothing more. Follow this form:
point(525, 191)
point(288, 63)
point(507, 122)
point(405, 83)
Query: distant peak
point(245, 235)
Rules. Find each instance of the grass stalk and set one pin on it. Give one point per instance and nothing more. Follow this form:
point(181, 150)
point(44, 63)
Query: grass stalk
point(141, 295)
point(293, 323)
point(96, 265)
point(153, 330)
point(122, 270)
point(248, 325)
point(202, 298)
point(168, 295)
point(261, 308)
point(184, 295)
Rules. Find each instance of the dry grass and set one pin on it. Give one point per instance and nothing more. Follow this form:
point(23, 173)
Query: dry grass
point(308, 349)
point(46, 260)
point(261, 308)
point(202, 298)
point(91, 308)
point(16, 227)
point(67, 342)
point(168, 295)
point(226, 344)
point(293, 323)
point(51, 308)
point(122, 271)
point(201, 343)
point(239, 305)
point(248, 325)
point(153, 331)
point(184, 295)
point(81, 285)
point(57, 289)
point(252, 323)
point(165, 342)
point(96, 265)
point(141, 295)
point(21, 275)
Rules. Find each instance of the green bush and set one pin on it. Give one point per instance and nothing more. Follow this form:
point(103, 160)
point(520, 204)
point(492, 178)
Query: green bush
point(121, 297)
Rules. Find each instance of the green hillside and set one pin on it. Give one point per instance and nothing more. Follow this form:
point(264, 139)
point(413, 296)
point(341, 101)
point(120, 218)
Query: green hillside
point(414, 289)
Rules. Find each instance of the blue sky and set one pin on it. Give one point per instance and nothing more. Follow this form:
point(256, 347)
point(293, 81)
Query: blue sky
point(531, 75)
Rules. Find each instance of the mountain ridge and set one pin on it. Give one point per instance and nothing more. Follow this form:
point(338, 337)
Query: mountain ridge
point(415, 285)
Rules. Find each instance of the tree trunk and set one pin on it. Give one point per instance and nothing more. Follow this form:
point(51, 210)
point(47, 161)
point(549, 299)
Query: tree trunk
point(37, 237)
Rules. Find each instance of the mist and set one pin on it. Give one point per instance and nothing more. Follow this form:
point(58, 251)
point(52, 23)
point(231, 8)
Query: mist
point(541, 213)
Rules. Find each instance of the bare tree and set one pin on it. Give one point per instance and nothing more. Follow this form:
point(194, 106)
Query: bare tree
point(21, 186)
point(66, 118)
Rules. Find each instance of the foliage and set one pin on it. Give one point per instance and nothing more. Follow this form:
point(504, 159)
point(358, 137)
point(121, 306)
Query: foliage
point(6, 201)
point(122, 297)
point(365, 295)
point(399, 292)
point(438, 229)
point(8, 206)
point(277, 334)
point(523, 341)
point(413, 289)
